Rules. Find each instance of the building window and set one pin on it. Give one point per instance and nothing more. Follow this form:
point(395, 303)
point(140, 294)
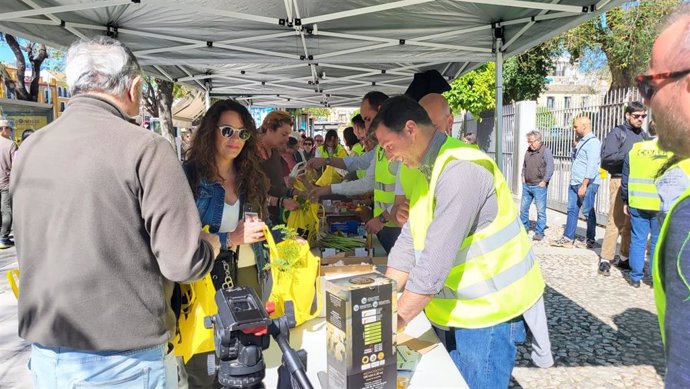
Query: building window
point(62, 107)
point(566, 102)
point(46, 94)
point(59, 91)
point(550, 102)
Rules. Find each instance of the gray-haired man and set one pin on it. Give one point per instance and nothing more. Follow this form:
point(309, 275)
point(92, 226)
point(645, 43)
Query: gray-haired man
point(7, 150)
point(105, 222)
point(536, 174)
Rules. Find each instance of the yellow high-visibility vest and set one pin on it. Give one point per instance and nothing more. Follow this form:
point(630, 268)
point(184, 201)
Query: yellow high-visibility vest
point(384, 185)
point(645, 160)
point(495, 276)
point(358, 149)
point(659, 292)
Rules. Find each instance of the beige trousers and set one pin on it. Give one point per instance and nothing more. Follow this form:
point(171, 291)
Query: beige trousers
point(618, 224)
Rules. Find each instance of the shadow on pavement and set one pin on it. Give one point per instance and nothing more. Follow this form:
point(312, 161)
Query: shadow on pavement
point(580, 339)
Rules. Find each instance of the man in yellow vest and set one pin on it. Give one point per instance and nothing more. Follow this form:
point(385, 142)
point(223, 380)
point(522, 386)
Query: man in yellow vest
point(380, 177)
point(666, 89)
point(463, 256)
point(642, 202)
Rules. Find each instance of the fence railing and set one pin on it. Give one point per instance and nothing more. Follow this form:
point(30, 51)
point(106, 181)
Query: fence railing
point(555, 123)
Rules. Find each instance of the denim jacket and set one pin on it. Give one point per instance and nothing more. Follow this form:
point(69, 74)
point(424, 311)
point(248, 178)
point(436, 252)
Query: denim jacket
point(210, 201)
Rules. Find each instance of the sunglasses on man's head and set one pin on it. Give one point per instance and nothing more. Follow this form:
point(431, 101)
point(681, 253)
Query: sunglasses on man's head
point(228, 132)
point(645, 82)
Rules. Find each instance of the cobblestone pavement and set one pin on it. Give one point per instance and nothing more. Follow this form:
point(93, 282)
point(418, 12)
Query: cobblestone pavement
point(604, 333)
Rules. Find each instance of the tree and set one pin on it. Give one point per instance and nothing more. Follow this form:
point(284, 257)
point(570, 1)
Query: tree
point(474, 91)
point(525, 74)
point(624, 34)
point(524, 78)
point(158, 98)
point(36, 54)
point(321, 113)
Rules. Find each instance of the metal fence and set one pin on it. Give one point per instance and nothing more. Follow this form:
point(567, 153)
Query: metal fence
point(484, 130)
point(555, 123)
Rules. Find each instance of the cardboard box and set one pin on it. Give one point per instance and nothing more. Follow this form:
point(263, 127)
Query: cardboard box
point(360, 327)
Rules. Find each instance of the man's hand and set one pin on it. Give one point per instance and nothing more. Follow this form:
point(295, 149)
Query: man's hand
point(316, 163)
point(290, 204)
point(374, 225)
point(625, 209)
point(542, 184)
point(318, 192)
point(582, 191)
point(402, 213)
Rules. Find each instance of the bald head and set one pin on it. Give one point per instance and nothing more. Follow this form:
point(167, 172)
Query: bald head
point(670, 100)
point(672, 47)
point(436, 106)
point(582, 125)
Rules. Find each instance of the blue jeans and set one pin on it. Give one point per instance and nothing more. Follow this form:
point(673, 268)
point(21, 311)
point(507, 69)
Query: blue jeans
point(643, 223)
point(485, 356)
point(65, 368)
point(586, 205)
point(538, 194)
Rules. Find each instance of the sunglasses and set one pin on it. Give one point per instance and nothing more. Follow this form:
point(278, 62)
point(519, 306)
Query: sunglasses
point(638, 115)
point(308, 143)
point(228, 132)
point(646, 85)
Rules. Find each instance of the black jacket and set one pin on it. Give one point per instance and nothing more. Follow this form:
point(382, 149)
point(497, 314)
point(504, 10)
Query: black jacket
point(617, 145)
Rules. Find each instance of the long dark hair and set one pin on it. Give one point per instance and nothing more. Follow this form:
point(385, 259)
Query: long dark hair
point(252, 184)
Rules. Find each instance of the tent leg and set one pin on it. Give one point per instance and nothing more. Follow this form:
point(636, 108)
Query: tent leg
point(207, 96)
point(499, 103)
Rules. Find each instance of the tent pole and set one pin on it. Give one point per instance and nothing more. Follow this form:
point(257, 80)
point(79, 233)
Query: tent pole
point(499, 102)
point(207, 95)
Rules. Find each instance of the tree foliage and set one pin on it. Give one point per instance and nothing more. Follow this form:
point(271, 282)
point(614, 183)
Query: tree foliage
point(624, 34)
point(474, 91)
point(524, 78)
point(317, 112)
point(525, 74)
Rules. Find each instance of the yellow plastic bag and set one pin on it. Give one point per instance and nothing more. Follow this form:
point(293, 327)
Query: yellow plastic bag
point(329, 176)
point(305, 220)
point(296, 281)
point(192, 336)
point(603, 174)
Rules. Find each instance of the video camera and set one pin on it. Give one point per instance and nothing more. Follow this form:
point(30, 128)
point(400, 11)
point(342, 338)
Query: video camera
point(242, 330)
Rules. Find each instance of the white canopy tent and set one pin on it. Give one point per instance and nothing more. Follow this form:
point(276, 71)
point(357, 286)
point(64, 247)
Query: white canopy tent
point(298, 53)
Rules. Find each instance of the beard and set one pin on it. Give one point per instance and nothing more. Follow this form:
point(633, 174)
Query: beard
point(673, 130)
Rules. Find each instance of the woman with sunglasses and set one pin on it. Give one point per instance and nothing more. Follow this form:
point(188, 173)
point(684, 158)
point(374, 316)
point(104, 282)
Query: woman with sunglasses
point(274, 133)
point(223, 170)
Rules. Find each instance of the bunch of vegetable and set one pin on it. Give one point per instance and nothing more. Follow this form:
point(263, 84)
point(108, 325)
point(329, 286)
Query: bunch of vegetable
point(341, 242)
point(289, 251)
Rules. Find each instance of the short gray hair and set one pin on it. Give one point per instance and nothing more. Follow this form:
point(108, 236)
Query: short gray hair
point(101, 64)
point(536, 134)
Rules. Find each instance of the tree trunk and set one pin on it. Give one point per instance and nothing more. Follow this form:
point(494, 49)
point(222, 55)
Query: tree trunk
point(164, 102)
point(150, 98)
point(36, 63)
point(20, 88)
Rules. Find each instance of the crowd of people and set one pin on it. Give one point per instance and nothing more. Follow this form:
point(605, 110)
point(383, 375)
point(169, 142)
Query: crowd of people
point(109, 243)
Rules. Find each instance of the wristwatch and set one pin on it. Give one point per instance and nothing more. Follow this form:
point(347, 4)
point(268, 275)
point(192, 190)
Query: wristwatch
point(383, 219)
